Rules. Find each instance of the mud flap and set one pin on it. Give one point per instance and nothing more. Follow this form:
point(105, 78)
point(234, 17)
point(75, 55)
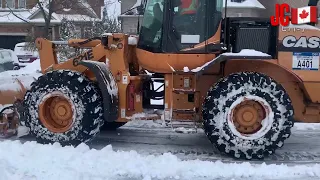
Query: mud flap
point(108, 88)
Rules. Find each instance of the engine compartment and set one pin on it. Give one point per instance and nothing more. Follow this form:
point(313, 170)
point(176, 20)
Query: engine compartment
point(249, 33)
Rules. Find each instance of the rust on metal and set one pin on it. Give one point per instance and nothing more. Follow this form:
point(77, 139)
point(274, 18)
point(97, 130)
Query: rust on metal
point(9, 122)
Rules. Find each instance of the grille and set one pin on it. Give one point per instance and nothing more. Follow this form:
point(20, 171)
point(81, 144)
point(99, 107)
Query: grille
point(257, 38)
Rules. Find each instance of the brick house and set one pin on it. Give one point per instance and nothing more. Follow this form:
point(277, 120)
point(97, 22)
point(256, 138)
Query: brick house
point(236, 8)
point(21, 18)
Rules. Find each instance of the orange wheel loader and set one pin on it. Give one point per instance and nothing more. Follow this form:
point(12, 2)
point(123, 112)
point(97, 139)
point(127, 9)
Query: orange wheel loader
point(242, 80)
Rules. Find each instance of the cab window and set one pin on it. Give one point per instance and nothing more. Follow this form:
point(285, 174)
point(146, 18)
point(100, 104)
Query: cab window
point(150, 37)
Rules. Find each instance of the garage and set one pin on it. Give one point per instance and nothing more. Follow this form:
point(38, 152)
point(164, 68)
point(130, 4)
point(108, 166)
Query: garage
point(8, 42)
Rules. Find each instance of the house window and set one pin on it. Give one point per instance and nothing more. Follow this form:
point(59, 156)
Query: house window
point(10, 3)
point(22, 3)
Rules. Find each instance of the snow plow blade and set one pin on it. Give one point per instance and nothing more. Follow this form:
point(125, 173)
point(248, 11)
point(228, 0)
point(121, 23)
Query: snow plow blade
point(14, 88)
point(12, 91)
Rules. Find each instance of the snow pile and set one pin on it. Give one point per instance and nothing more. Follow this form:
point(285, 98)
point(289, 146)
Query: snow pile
point(145, 124)
point(306, 126)
point(141, 120)
point(33, 68)
point(247, 52)
point(10, 80)
point(34, 161)
point(185, 130)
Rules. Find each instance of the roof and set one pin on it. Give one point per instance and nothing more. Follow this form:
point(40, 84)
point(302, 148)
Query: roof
point(34, 15)
point(295, 3)
point(252, 4)
point(77, 17)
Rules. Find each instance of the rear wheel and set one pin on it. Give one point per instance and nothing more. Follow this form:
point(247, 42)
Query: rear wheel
point(63, 106)
point(247, 115)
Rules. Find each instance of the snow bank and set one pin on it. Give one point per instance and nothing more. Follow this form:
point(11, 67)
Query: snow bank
point(33, 68)
point(34, 161)
point(26, 75)
point(306, 126)
point(145, 124)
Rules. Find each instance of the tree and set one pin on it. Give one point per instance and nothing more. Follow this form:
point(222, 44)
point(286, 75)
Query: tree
point(107, 25)
point(48, 7)
point(67, 30)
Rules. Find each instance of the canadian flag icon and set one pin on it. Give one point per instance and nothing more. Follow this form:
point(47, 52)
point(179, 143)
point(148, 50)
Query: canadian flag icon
point(304, 15)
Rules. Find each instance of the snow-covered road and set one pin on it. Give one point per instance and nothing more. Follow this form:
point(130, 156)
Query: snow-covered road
point(142, 158)
point(144, 150)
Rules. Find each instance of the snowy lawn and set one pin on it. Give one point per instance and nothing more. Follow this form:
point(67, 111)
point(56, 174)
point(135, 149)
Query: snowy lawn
point(51, 162)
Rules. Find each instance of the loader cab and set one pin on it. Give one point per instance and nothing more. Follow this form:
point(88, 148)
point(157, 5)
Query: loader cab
point(172, 26)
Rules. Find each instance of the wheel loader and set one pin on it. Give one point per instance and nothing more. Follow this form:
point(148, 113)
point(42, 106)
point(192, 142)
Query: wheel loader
point(242, 80)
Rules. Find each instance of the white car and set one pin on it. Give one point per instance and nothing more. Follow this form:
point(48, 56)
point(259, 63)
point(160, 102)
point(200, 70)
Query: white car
point(24, 56)
point(8, 60)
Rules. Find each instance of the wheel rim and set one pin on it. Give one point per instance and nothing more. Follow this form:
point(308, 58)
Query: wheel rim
point(250, 117)
point(56, 112)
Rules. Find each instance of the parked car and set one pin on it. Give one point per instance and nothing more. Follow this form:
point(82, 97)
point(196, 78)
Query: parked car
point(24, 56)
point(8, 60)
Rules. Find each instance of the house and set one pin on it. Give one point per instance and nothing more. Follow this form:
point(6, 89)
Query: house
point(20, 19)
point(236, 8)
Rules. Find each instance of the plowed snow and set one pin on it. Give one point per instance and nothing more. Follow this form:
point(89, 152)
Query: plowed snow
point(34, 161)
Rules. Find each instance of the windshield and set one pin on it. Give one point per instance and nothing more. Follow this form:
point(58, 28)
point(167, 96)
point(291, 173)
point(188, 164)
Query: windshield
point(193, 22)
point(150, 37)
point(187, 23)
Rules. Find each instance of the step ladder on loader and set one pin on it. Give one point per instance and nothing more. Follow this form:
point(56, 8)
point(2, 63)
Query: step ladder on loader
point(182, 102)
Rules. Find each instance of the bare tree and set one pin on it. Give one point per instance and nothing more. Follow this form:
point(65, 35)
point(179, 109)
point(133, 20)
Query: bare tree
point(48, 7)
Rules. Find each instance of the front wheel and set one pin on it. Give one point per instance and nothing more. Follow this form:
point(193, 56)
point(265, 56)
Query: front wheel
point(247, 115)
point(63, 106)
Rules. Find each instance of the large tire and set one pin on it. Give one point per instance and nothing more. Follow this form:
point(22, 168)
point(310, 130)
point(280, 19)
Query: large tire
point(222, 97)
point(112, 126)
point(87, 117)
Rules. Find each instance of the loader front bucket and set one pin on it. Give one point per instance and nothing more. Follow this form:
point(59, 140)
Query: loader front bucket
point(12, 91)
point(13, 88)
